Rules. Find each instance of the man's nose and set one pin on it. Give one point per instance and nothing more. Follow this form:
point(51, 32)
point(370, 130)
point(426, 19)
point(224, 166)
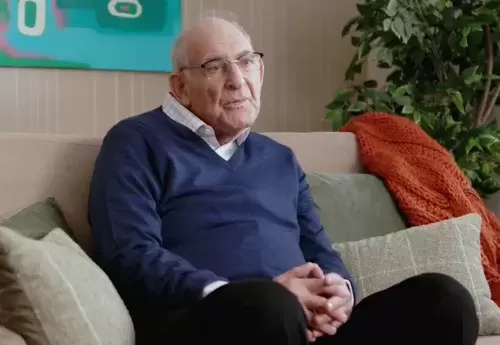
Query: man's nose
point(234, 76)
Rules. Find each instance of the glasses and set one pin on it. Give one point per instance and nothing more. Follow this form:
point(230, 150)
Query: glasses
point(218, 67)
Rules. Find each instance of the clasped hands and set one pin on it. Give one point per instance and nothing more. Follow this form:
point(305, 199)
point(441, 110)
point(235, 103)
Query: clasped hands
point(326, 300)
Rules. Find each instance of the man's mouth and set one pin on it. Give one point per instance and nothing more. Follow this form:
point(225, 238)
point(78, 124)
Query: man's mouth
point(235, 104)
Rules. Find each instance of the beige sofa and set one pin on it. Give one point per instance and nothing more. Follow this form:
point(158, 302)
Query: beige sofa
point(34, 167)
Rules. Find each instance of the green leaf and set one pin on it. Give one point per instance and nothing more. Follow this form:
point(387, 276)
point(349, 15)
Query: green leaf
point(400, 92)
point(376, 95)
point(370, 83)
point(487, 140)
point(347, 28)
point(340, 97)
point(464, 43)
point(416, 117)
point(387, 24)
point(392, 8)
point(358, 107)
point(472, 143)
point(355, 40)
point(441, 4)
point(398, 27)
point(385, 55)
point(408, 109)
point(470, 76)
point(458, 100)
point(403, 101)
point(337, 118)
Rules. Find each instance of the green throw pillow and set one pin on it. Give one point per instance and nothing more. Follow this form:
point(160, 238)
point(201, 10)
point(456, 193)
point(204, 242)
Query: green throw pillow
point(354, 206)
point(451, 247)
point(54, 294)
point(37, 220)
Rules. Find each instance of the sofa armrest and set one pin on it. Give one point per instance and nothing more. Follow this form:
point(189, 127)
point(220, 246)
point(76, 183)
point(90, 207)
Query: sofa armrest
point(10, 338)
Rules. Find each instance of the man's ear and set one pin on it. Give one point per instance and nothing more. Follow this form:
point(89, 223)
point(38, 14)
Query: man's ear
point(262, 72)
point(178, 88)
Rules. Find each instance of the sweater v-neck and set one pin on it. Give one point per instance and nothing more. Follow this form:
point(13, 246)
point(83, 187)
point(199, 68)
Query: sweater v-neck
point(233, 163)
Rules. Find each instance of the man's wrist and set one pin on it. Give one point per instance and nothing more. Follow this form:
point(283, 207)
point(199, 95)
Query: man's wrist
point(349, 286)
point(207, 290)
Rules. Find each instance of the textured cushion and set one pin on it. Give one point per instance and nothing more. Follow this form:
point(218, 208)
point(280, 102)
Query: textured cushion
point(37, 220)
point(450, 247)
point(354, 206)
point(53, 294)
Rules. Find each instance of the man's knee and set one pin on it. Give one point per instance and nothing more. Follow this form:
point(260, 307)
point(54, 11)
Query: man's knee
point(444, 296)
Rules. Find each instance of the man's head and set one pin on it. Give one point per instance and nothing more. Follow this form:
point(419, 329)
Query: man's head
point(225, 95)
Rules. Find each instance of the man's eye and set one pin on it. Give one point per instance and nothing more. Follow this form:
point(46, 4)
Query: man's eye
point(246, 62)
point(213, 67)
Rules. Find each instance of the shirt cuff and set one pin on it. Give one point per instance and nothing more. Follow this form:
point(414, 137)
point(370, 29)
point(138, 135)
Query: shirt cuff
point(207, 290)
point(349, 286)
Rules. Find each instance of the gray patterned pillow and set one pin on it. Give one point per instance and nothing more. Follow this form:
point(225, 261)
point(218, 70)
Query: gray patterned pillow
point(450, 247)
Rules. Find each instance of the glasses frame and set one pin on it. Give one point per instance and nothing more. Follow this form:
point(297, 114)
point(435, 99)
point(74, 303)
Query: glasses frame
point(203, 65)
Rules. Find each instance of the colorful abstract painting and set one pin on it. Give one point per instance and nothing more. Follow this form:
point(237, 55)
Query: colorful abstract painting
point(133, 35)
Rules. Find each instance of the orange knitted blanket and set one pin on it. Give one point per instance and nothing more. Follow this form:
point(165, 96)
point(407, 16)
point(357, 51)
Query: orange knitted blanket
point(425, 180)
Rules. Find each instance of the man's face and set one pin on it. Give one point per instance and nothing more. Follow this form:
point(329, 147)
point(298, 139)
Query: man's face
point(224, 95)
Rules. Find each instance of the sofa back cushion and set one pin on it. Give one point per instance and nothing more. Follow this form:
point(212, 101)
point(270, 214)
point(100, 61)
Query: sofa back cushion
point(353, 207)
point(35, 167)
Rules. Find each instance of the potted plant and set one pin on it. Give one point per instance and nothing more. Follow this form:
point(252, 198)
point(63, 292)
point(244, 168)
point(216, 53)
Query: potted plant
point(444, 62)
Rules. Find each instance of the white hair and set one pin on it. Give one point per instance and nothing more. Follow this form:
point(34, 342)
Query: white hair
point(179, 50)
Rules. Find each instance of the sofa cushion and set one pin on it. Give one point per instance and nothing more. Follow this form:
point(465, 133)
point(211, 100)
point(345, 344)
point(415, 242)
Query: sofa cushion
point(450, 247)
point(53, 294)
point(354, 206)
point(37, 220)
point(10, 338)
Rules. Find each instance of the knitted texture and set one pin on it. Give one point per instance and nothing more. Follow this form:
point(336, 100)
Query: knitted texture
point(424, 179)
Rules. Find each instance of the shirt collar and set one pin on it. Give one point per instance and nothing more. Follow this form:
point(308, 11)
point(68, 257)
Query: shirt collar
point(177, 112)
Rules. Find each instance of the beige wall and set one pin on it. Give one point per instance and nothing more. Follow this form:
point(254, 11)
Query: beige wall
point(305, 61)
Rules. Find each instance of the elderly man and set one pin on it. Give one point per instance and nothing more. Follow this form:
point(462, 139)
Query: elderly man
point(209, 231)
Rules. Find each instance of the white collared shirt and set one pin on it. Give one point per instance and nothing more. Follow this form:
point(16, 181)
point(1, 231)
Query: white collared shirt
point(182, 115)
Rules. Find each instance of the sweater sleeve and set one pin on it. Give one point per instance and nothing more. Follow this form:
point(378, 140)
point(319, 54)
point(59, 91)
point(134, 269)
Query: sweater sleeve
point(125, 194)
point(315, 245)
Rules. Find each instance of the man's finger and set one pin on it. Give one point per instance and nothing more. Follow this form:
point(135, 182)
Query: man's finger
point(302, 271)
point(311, 337)
point(316, 272)
point(317, 333)
point(338, 314)
point(313, 302)
point(327, 329)
point(336, 324)
point(336, 302)
point(320, 319)
point(336, 290)
point(314, 285)
point(333, 278)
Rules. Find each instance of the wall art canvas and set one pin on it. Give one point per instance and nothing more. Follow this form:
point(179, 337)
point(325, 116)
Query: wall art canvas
point(130, 35)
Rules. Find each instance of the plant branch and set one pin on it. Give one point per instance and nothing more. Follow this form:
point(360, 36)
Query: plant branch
point(491, 105)
point(480, 116)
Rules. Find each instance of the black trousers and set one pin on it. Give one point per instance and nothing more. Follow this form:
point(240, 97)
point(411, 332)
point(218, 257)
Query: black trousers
point(426, 309)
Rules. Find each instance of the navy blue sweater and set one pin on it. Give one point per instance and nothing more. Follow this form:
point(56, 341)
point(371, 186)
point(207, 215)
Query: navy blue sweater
point(169, 215)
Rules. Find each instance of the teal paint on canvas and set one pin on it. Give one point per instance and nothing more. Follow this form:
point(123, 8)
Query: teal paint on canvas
point(133, 35)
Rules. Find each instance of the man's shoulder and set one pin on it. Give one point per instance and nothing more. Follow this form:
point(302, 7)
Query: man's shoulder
point(148, 120)
point(269, 142)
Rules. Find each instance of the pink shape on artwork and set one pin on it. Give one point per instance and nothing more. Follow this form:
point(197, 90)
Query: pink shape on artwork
point(58, 14)
point(4, 45)
point(124, 8)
